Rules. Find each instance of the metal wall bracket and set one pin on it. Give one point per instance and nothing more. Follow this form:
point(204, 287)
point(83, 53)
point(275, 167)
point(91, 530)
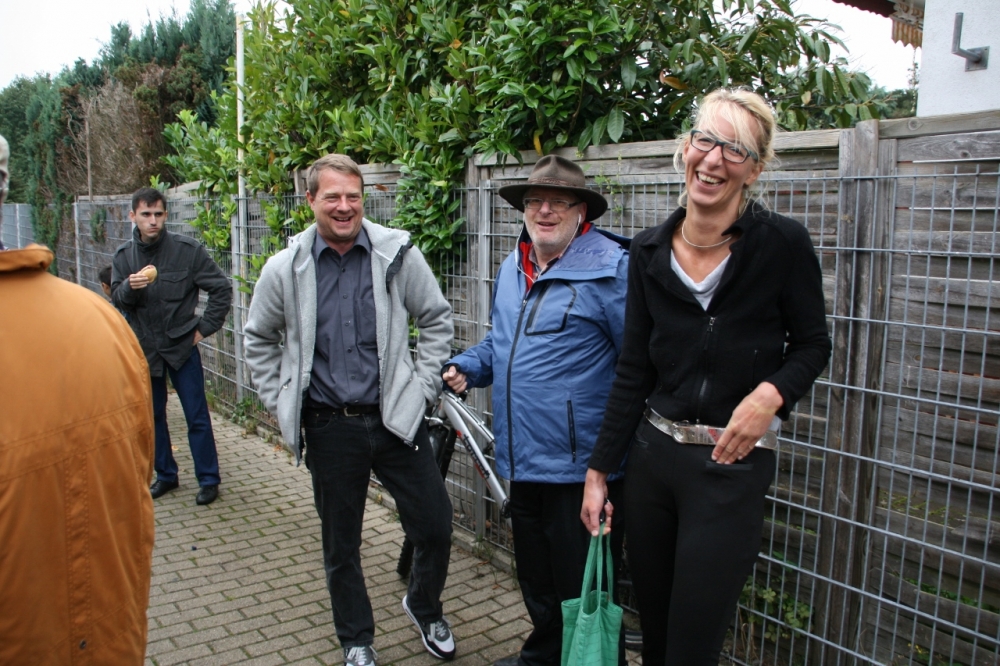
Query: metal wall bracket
point(976, 58)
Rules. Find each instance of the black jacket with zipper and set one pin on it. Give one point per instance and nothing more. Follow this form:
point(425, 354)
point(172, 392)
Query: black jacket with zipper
point(163, 314)
point(766, 322)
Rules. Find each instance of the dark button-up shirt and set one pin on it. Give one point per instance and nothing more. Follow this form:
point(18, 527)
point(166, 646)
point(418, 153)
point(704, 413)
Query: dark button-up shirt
point(345, 361)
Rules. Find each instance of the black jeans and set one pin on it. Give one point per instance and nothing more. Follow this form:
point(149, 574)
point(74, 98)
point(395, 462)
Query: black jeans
point(694, 531)
point(550, 550)
point(341, 453)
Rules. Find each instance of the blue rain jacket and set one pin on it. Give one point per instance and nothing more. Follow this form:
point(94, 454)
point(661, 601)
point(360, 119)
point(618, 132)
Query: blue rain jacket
point(551, 357)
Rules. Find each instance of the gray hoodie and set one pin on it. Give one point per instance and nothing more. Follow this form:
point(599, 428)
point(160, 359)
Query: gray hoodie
point(280, 333)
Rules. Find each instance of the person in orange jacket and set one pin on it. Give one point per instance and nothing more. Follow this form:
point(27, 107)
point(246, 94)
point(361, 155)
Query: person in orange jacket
point(76, 452)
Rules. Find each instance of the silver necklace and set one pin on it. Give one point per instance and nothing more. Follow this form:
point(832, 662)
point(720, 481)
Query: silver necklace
point(725, 240)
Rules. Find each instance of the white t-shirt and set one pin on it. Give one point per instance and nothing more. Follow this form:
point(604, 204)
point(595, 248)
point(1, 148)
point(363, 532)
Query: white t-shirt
point(705, 289)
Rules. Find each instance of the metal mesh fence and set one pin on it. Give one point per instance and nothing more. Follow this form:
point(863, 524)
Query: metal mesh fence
point(881, 542)
point(15, 225)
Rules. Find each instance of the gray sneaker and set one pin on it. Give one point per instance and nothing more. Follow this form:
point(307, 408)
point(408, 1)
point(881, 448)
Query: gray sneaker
point(436, 635)
point(360, 656)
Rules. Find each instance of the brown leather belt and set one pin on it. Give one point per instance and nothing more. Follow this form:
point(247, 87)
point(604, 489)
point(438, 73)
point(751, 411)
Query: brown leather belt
point(692, 433)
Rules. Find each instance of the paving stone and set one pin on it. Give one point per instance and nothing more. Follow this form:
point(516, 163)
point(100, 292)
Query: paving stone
point(197, 637)
point(164, 645)
point(161, 633)
point(217, 620)
point(236, 642)
point(298, 611)
point(308, 651)
point(270, 608)
point(271, 645)
point(228, 658)
point(272, 659)
point(519, 627)
point(182, 656)
point(293, 627)
point(324, 631)
point(478, 610)
point(232, 604)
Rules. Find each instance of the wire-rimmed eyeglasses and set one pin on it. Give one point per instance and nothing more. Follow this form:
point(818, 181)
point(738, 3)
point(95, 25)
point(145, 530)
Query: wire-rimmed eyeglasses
point(555, 205)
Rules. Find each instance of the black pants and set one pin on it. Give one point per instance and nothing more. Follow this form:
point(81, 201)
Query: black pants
point(341, 453)
point(189, 380)
point(694, 531)
point(550, 551)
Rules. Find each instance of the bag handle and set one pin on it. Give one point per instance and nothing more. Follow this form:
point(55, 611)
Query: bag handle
point(598, 558)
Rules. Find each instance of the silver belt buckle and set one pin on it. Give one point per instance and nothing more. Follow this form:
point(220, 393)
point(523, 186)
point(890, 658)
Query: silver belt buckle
point(696, 433)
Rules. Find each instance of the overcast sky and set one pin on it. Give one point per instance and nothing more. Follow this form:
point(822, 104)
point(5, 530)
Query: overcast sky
point(45, 35)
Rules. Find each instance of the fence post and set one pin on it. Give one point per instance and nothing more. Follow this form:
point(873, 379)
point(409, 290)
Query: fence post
point(872, 286)
point(76, 239)
point(238, 223)
point(476, 226)
point(847, 480)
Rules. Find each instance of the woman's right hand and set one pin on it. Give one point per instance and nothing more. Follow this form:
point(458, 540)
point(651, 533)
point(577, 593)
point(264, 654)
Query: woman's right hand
point(595, 500)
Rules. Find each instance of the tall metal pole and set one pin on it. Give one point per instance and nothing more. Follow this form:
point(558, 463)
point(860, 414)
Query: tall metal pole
point(90, 178)
point(240, 224)
point(76, 238)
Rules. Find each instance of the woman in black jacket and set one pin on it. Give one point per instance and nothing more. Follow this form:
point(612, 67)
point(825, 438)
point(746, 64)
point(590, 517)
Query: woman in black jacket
point(725, 330)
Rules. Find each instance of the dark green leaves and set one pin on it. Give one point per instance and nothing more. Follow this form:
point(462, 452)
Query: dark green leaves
point(616, 124)
point(427, 83)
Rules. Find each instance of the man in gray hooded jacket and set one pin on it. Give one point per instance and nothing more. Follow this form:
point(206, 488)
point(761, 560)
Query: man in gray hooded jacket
point(327, 344)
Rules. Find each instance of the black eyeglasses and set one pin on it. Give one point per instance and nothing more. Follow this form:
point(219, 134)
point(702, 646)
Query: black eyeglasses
point(732, 152)
point(555, 205)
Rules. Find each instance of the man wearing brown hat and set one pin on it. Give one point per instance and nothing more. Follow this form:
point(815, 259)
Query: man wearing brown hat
point(557, 322)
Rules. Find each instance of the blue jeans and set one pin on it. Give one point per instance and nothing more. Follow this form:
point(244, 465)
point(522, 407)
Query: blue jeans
point(189, 380)
point(341, 452)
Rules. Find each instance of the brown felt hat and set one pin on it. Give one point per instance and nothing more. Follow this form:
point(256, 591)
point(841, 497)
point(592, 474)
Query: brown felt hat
point(559, 172)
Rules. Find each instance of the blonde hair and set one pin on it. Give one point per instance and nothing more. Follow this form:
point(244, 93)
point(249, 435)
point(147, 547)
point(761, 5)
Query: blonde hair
point(753, 122)
point(333, 162)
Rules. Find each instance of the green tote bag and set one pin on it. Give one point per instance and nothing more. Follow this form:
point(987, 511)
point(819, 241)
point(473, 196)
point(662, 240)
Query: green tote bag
point(592, 623)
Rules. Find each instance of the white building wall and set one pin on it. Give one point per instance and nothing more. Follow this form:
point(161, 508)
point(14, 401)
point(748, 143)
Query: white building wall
point(945, 86)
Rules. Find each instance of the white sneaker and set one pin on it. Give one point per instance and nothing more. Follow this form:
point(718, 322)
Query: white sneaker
point(363, 655)
point(436, 635)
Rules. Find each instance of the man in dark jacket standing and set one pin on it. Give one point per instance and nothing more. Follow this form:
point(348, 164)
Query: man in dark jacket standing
point(558, 316)
point(161, 304)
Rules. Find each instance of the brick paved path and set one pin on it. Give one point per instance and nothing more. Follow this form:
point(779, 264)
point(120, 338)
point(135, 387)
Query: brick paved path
point(241, 581)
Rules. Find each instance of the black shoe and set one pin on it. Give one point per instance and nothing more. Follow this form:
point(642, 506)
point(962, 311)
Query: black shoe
point(207, 495)
point(161, 488)
point(507, 661)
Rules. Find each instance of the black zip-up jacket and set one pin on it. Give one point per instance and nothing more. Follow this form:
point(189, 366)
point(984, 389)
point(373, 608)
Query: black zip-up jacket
point(163, 314)
point(766, 322)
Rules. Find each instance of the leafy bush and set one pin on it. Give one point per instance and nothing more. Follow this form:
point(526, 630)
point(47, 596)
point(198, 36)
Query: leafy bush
point(425, 84)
